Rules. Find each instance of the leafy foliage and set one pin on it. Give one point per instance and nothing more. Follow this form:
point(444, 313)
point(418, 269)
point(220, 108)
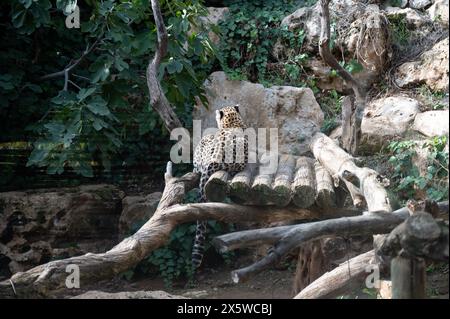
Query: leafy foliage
point(399, 29)
point(331, 104)
point(409, 183)
point(249, 35)
point(104, 116)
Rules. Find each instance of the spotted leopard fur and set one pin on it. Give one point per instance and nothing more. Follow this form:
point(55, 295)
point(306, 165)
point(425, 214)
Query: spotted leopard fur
point(226, 150)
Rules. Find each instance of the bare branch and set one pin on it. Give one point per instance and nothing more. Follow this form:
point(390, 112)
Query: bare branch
point(352, 112)
point(291, 237)
point(48, 279)
point(66, 71)
point(325, 53)
point(340, 280)
point(158, 99)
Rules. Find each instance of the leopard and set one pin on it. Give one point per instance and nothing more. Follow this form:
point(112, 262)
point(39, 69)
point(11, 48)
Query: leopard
point(225, 150)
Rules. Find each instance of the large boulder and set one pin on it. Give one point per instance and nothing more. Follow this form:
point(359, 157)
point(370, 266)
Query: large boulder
point(413, 17)
point(432, 123)
point(39, 225)
point(431, 69)
point(386, 117)
point(292, 110)
point(136, 211)
point(439, 12)
point(361, 34)
point(419, 4)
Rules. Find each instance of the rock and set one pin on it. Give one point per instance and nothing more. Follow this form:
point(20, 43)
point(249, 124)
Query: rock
point(432, 123)
point(413, 17)
point(39, 225)
point(432, 69)
point(439, 12)
point(158, 294)
point(136, 210)
point(293, 111)
point(419, 4)
point(370, 48)
point(215, 15)
point(196, 294)
point(386, 117)
point(403, 4)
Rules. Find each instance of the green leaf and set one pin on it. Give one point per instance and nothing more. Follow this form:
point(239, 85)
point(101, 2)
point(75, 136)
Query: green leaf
point(84, 93)
point(98, 107)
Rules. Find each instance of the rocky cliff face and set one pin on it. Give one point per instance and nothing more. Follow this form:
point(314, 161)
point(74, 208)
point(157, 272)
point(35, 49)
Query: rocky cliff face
point(37, 226)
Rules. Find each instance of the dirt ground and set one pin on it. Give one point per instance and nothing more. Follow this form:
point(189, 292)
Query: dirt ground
point(270, 284)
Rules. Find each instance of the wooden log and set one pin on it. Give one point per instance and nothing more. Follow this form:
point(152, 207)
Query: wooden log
point(337, 162)
point(50, 278)
point(240, 186)
point(311, 265)
point(325, 196)
point(338, 281)
point(261, 191)
point(355, 194)
point(419, 236)
point(408, 278)
point(283, 179)
point(303, 186)
point(216, 188)
point(291, 237)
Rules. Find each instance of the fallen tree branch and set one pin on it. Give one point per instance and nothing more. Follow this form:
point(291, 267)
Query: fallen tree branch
point(340, 280)
point(158, 99)
point(48, 279)
point(341, 164)
point(288, 238)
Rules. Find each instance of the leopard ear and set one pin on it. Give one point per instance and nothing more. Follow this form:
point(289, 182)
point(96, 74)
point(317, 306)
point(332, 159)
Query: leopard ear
point(220, 114)
point(236, 107)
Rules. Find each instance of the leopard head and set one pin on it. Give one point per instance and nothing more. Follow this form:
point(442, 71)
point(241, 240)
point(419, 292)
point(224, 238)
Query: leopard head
point(229, 117)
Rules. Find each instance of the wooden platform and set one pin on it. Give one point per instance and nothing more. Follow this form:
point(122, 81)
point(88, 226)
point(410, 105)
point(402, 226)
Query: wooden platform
point(299, 180)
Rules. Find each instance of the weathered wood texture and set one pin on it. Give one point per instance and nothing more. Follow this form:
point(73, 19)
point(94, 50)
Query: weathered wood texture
point(338, 163)
point(325, 196)
point(293, 183)
point(288, 238)
point(283, 179)
point(216, 189)
point(419, 237)
point(261, 190)
point(408, 277)
point(303, 186)
point(47, 279)
point(340, 280)
point(311, 264)
point(240, 185)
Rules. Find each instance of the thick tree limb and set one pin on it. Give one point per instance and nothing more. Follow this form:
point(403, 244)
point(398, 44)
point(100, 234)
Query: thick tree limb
point(340, 280)
point(352, 128)
point(291, 237)
point(47, 279)
point(420, 236)
point(158, 99)
point(339, 163)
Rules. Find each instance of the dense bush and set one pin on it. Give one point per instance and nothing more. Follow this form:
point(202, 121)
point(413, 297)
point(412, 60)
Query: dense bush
point(101, 118)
